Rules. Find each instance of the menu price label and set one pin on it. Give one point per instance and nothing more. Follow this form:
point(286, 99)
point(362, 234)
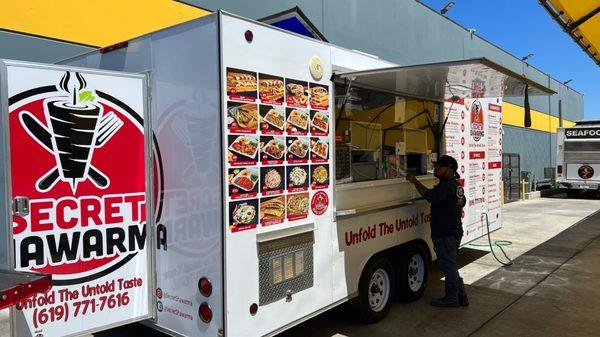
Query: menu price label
point(271, 89)
point(272, 210)
point(319, 96)
point(241, 85)
point(319, 176)
point(297, 122)
point(272, 120)
point(319, 150)
point(296, 93)
point(243, 183)
point(242, 117)
point(297, 150)
point(319, 123)
point(243, 150)
point(297, 178)
point(272, 180)
point(243, 215)
point(297, 206)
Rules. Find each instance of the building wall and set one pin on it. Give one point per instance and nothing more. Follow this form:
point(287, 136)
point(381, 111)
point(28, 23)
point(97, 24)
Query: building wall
point(537, 149)
point(401, 31)
point(407, 32)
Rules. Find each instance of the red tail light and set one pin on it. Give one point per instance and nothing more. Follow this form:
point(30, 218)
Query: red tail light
point(253, 309)
point(205, 287)
point(559, 169)
point(205, 312)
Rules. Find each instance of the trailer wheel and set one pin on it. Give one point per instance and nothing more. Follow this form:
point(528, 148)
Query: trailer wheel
point(412, 267)
point(375, 291)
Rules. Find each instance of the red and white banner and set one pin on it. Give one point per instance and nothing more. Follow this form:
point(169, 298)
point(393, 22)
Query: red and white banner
point(473, 135)
point(78, 153)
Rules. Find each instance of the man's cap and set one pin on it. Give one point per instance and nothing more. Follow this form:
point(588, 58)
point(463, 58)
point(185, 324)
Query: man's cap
point(447, 161)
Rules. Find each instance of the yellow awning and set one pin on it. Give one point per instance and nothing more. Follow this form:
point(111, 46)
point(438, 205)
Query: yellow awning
point(581, 20)
point(97, 23)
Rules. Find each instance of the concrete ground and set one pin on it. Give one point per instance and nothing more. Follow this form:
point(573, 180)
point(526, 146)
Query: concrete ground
point(550, 290)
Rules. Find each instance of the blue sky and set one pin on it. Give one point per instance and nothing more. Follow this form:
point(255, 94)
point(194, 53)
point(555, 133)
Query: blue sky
point(522, 27)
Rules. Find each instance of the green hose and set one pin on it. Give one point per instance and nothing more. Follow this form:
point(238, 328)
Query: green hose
point(497, 243)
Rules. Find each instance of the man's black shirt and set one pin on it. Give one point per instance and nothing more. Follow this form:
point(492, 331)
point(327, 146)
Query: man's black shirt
point(447, 200)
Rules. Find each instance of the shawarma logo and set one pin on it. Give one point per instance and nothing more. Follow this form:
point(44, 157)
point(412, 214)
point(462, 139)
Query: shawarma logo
point(78, 153)
point(585, 171)
point(477, 131)
point(76, 126)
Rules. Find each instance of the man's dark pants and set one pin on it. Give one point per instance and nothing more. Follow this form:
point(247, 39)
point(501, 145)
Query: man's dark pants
point(446, 249)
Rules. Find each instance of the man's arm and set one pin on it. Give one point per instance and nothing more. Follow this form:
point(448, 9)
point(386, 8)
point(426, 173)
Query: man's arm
point(411, 177)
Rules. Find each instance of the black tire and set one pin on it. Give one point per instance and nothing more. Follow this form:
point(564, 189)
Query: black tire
point(360, 306)
point(411, 283)
point(573, 193)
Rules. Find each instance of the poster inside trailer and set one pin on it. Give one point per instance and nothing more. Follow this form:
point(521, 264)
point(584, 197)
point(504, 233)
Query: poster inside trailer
point(473, 136)
point(78, 153)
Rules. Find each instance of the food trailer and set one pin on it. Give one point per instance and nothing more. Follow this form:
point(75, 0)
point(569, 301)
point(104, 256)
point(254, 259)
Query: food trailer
point(223, 177)
point(577, 159)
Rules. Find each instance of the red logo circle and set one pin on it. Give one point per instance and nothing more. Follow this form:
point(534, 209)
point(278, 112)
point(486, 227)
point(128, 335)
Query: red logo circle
point(159, 293)
point(319, 203)
point(87, 187)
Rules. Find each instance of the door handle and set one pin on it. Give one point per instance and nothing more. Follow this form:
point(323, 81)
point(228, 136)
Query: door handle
point(20, 206)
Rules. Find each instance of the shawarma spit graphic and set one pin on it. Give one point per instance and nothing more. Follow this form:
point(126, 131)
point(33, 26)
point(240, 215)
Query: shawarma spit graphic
point(76, 125)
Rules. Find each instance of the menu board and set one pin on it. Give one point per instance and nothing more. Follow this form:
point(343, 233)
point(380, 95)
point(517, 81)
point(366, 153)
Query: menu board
point(277, 150)
point(473, 135)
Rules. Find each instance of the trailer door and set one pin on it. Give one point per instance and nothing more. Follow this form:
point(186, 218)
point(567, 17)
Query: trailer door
point(78, 180)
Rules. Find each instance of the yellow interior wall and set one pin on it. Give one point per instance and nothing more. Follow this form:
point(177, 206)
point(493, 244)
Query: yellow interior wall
point(97, 23)
point(412, 108)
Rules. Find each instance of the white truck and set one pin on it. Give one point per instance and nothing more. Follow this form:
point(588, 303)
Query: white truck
point(223, 177)
point(578, 157)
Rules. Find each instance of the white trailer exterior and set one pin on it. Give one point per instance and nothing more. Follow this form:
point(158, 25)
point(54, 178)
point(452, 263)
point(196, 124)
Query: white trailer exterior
point(578, 157)
point(220, 268)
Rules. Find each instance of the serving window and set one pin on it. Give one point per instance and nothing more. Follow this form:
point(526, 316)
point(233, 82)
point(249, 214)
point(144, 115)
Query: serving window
point(382, 136)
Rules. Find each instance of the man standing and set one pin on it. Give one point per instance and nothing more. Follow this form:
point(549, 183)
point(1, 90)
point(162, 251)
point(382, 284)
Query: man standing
point(447, 201)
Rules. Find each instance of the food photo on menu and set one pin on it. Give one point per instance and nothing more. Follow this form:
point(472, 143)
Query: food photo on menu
point(243, 215)
point(243, 150)
point(242, 117)
point(297, 206)
point(296, 93)
point(319, 123)
point(272, 210)
point(243, 182)
point(271, 89)
point(319, 176)
point(241, 85)
point(272, 149)
point(272, 120)
point(319, 149)
point(297, 178)
point(297, 150)
point(319, 96)
point(297, 121)
point(272, 180)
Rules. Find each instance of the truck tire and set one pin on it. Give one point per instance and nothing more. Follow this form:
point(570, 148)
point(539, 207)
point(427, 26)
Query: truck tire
point(412, 267)
point(375, 291)
point(573, 193)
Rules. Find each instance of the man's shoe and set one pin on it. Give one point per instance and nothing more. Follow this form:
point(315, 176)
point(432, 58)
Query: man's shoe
point(464, 301)
point(444, 303)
